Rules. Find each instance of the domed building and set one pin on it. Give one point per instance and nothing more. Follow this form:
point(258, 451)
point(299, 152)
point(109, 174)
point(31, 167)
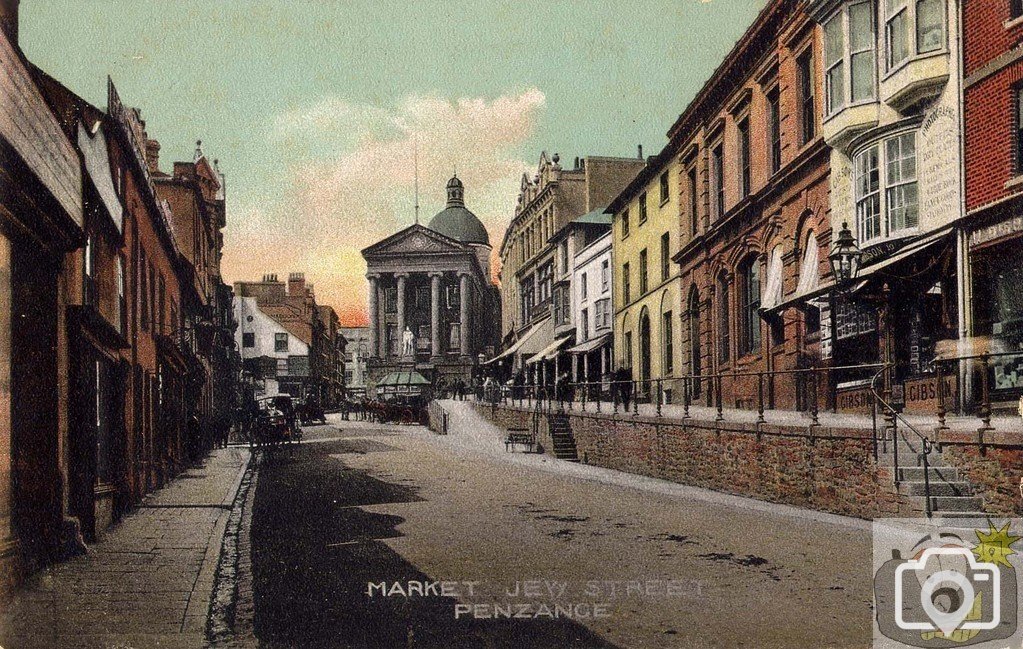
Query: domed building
point(433, 304)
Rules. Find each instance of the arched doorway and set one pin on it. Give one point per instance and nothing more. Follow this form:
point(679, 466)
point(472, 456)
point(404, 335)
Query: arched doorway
point(695, 350)
point(644, 350)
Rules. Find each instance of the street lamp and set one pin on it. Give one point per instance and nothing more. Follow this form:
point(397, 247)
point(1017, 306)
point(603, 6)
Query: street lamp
point(845, 256)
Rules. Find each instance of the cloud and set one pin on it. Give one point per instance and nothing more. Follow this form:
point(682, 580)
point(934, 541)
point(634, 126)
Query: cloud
point(349, 180)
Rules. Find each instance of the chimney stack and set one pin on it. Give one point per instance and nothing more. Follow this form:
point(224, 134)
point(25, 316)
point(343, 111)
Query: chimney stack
point(296, 284)
point(152, 155)
point(9, 20)
point(640, 151)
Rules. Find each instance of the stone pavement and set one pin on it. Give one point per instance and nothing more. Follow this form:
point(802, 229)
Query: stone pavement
point(148, 583)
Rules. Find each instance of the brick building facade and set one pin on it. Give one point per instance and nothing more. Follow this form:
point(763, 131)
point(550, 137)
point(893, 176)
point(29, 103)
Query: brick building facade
point(754, 213)
point(101, 341)
point(993, 156)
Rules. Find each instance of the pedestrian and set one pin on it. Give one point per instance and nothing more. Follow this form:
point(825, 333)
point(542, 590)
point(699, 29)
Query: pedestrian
point(623, 384)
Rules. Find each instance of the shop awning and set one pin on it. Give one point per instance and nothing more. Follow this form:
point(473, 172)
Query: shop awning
point(403, 378)
point(912, 248)
point(529, 344)
point(590, 345)
point(549, 352)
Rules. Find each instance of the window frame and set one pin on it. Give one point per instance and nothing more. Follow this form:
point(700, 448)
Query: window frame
point(885, 229)
point(583, 290)
point(717, 169)
point(248, 340)
point(693, 180)
point(807, 80)
point(844, 65)
point(667, 344)
point(281, 342)
point(665, 184)
point(665, 256)
point(909, 10)
point(774, 130)
point(625, 223)
point(644, 272)
point(752, 335)
point(1017, 124)
point(643, 208)
point(626, 284)
point(742, 143)
point(605, 276)
point(723, 324)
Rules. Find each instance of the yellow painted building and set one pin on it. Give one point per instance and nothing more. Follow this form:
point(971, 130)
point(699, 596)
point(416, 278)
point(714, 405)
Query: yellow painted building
point(646, 302)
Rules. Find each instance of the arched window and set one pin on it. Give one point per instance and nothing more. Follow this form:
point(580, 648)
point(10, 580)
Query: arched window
point(695, 349)
point(750, 305)
point(809, 280)
point(724, 317)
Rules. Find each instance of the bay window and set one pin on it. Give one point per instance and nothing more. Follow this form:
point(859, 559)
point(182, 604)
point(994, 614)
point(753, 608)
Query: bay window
point(868, 196)
point(849, 56)
point(913, 27)
point(900, 156)
point(897, 199)
point(834, 62)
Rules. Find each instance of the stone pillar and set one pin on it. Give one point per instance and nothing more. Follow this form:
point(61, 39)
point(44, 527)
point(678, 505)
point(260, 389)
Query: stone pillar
point(402, 278)
point(382, 324)
point(435, 314)
point(374, 317)
point(463, 294)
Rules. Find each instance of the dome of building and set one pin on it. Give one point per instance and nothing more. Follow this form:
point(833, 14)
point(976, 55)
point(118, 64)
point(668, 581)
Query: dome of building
point(456, 221)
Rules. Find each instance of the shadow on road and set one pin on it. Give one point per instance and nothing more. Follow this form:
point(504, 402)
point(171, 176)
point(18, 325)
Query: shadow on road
point(314, 551)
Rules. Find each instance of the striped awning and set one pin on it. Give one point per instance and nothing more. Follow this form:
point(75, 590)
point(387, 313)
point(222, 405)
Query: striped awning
point(590, 345)
point(549, 352)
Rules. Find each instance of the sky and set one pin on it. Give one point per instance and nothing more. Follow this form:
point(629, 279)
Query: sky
point(314, 108)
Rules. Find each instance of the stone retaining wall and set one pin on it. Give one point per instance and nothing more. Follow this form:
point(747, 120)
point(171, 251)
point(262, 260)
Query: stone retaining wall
point(993, 462)
point(821, 468)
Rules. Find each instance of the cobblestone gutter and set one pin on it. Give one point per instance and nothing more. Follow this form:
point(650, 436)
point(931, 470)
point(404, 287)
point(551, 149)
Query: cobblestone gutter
point(231, 608)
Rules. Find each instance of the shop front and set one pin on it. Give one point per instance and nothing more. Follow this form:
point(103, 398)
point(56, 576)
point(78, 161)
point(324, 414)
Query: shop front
point(997, 288)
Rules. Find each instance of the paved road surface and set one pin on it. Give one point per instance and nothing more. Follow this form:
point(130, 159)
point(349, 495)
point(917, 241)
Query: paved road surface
point(368, 504)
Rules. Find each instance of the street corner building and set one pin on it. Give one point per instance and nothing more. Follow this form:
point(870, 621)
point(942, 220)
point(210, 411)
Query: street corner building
point(289, 344)
point(115, 327)
point(433, 305)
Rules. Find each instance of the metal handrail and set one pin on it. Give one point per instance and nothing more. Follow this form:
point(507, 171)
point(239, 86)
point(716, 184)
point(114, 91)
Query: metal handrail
point(925, 442)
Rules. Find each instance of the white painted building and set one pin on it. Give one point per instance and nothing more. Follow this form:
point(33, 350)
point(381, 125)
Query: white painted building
point(591, 310)
point(269, 351)
point(892, 116)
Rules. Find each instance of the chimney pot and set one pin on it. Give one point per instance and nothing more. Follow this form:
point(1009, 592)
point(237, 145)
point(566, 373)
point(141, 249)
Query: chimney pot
point(640, 151)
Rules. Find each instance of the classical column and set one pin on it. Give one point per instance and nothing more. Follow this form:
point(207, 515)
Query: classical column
point(374, 317)
point(402, 278)
point(435, 313)
point(463, 294)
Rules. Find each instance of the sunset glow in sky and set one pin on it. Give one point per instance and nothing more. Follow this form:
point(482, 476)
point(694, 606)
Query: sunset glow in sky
point(314, 107)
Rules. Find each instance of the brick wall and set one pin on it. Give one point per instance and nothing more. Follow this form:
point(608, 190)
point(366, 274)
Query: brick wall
point(989, 114)
point(831, 470)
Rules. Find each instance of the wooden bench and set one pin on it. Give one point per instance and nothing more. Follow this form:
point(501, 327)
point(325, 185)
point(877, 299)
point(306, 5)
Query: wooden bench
point(520, 436)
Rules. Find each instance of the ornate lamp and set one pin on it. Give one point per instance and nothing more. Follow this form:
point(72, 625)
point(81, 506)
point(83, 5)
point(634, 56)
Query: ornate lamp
point(845, 256)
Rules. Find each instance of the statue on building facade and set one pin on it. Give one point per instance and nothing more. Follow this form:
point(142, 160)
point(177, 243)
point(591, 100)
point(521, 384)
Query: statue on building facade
point(408, 343)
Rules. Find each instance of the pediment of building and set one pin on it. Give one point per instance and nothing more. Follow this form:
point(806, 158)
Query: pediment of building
point(416, 239)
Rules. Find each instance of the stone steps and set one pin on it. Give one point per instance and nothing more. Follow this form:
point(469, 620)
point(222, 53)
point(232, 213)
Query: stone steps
point(561, 436)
